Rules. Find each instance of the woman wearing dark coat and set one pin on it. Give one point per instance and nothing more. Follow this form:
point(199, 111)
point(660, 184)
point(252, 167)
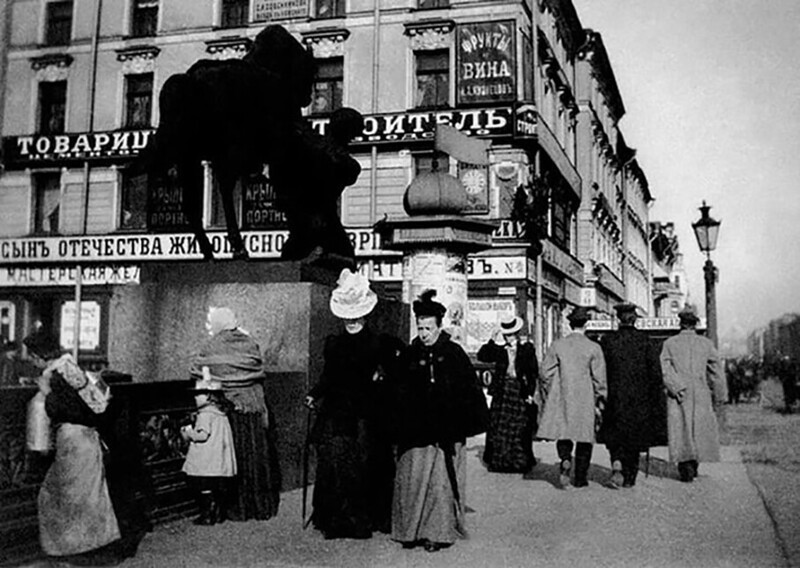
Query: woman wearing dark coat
point(635, 415)
point(440, 404)
point(355, 460)
point(512, 417)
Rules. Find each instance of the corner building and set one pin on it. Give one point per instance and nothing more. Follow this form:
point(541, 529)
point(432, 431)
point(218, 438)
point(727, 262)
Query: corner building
point(79, 99)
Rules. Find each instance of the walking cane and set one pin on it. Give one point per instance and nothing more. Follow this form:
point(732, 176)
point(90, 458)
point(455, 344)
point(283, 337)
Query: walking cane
point(306, 457)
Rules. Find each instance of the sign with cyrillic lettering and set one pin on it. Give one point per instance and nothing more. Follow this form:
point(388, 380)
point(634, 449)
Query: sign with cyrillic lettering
point(271, 10)
point(95, 275)
point(486, 55)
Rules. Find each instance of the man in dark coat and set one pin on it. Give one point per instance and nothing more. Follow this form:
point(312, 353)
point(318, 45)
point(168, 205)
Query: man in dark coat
point(635, 414)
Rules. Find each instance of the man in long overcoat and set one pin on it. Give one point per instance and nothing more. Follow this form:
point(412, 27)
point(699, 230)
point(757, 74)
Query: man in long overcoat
point(635, 414)
point(573, 388)
point(695, 384)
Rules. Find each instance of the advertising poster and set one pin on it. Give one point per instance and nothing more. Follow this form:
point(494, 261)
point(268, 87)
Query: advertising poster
point(484, 316)
point(486, 62)
point(165, 207)
point(476, 181)
point(90, 326)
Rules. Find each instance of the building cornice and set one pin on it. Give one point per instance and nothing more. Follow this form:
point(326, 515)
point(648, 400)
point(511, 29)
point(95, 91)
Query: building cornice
point(594, 53)
point(228, 47)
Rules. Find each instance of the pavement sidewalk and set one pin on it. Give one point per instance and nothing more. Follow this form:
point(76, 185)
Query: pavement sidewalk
point(516, 521)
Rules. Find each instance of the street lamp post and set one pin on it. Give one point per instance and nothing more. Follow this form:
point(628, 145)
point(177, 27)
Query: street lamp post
point(706, 231)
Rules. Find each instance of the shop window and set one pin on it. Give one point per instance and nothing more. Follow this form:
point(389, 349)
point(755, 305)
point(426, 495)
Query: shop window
point(133, 202)
point(217, 216)
point(52, 107)
point(433, 79)
point(48, 200)
point(234, 13)
point(90, 326)
point(560, 233)
point(145, 18)
point(329, 8)
point(423, 4)
point(138, 100)
point(328, 86)
point(434, 161)
point(58, 26)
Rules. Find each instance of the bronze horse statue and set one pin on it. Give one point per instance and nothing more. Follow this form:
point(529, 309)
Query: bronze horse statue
point(239, 115)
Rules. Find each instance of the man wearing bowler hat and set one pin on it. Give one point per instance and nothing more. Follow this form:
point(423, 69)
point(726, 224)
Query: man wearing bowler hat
point(635, 414)
point(695, 385)
point(573, 386)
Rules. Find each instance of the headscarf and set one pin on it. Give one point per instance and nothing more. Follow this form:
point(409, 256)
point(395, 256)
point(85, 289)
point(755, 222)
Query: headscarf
point(220, 319)
point(94, 392)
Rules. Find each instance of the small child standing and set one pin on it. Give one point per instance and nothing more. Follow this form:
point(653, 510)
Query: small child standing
point(211, 460)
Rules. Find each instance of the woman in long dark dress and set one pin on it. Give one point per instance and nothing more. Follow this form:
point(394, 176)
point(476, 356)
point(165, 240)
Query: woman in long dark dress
point(355, 461)
point(512, 417)
point(234, 359)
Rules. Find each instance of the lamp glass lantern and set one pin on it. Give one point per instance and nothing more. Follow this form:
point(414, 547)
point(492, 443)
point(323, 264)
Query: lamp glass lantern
point(706, 230)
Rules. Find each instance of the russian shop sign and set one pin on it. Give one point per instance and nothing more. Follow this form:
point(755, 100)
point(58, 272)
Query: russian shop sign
point(94, 275)
point(486, 62)
point(271, 10)
point(39, 150)
point(180, 246)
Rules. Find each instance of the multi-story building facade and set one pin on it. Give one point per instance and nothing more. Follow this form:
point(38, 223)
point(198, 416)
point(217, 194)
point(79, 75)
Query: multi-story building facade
point(79, 103)
point(670, 288)
point(613, 213)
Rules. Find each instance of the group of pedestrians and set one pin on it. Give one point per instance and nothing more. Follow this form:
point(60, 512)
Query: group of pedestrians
point(624, 391)
point(391, 424)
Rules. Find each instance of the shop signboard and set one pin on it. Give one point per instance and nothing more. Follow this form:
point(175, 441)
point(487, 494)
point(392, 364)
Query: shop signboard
point(486, 62)
point(158, 247)
point(90, 325)
point(272, 10)
point(165, 212)
point(260, 205)
point(92, 275)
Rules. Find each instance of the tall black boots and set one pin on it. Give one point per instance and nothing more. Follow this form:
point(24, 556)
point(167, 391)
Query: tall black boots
point(583, 457)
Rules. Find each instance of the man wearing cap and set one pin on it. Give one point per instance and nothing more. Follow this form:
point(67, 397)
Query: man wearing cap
point(635, 413)
point(509, 444)
point(573, 386)
point(695, 385)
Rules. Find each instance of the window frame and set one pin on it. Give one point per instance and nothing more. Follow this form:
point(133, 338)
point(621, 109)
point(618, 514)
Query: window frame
point(39, 189)
point(54, 35)
point(235, 6)
point(143, 23)
point(125, 183)
point(444, 55)
point(335, 80)
point(339, 9)
point(131, 97)
point(47, 102)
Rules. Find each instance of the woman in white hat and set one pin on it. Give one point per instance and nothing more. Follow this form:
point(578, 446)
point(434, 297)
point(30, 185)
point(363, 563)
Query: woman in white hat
point(512, 417)
point(355, 462)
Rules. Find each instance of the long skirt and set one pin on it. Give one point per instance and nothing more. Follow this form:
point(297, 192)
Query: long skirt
point(509, 440)
point(75, 511)
point(256, 492)
point(341, 501)
point(425, 506)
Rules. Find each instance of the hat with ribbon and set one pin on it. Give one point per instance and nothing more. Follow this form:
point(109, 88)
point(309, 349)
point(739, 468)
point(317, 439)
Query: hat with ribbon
point(510, 324)
point(352, 298)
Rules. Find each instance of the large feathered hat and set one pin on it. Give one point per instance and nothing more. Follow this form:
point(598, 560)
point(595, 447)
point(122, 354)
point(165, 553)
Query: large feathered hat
point(426, 306)
point(352, 298)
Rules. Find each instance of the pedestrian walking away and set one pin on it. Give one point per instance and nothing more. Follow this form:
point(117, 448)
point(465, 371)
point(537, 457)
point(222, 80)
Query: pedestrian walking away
point(440, 404)
point(635, 414)
point(355, 458)
point(512, 416)
point(695, 387)
point(234, 359)
point(211, 458)
point(573, 386)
